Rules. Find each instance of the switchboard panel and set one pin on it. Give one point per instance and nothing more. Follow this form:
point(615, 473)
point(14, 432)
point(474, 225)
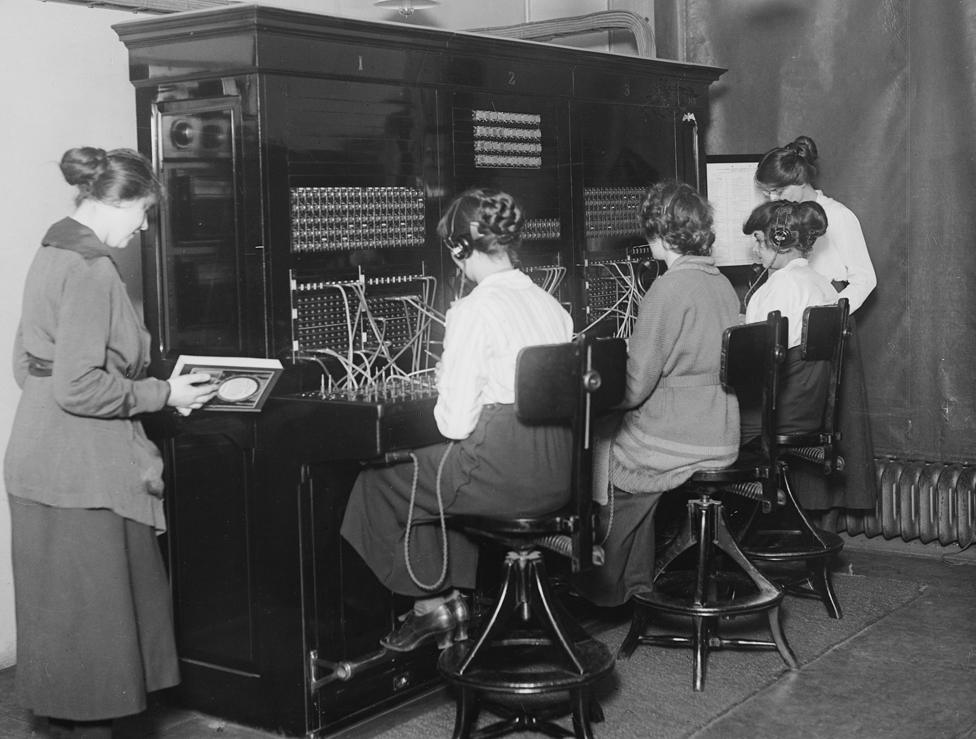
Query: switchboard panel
point(306, 161)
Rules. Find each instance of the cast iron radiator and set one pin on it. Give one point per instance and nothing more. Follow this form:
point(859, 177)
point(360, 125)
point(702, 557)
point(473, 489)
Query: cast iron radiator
point(919, 500)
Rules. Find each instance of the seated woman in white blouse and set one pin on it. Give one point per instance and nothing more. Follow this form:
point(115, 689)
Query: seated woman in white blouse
point(785, 234)
point(494, 463)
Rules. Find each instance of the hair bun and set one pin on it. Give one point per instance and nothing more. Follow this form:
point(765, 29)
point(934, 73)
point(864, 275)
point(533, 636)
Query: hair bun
point(501, 216)
point(83, 165)
point(804, 148)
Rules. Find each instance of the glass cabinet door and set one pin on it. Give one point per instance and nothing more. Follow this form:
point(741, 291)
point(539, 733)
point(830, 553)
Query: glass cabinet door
point(199, 267)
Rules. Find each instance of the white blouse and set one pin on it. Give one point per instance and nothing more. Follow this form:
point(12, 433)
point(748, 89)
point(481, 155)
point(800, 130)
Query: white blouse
point(791, 290)
point(841, 253)
point(484, 332)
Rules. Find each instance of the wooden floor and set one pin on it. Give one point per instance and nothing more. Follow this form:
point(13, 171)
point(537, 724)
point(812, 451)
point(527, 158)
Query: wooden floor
point(922, 673)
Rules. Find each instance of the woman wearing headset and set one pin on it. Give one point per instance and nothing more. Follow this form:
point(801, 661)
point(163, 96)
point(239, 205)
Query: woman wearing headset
point(786, 234)
point(493, 462)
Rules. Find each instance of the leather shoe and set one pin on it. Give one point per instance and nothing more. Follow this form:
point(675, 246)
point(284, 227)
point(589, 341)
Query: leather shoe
point(438, 624)
point(462, 615)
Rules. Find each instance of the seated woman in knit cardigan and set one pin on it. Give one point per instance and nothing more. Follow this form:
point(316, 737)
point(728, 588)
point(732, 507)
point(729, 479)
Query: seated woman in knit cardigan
point(678, 417)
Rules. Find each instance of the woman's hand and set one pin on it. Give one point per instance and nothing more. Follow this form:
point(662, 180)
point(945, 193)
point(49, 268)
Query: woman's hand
point(188, 392)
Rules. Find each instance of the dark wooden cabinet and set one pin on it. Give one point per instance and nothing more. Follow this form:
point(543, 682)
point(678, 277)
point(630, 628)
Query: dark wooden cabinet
point(305, 157)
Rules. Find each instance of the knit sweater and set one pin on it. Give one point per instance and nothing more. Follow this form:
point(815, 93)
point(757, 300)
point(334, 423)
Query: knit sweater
point(681, 418)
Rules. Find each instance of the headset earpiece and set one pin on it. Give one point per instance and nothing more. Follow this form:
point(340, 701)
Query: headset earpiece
point(461, 245)
point(779, 234)
point(458, 246)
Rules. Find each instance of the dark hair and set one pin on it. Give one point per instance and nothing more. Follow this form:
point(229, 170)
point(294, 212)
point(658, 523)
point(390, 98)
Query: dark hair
point(793, 164)
point(116, 176)
point(680, 216)
point(788, 225)
point(489, 221)
point(761, 217)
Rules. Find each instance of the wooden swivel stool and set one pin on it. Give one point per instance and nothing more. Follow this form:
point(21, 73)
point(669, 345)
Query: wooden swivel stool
point(720, 581)
point(785, 538)
point(529, 648)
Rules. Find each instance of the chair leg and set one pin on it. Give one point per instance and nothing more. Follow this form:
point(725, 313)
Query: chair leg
point(682, 543)
point(466, 712)
point(706, 528)
point(776, 629)
point(705, 514)
point(595, 712)
point(822, 583)
point(504, 605)
point(818, 583)
point(638, 625)
point(807, 529)
point(725, 542)
point(553, 623)
point(701, 631)
point(525, 588)
point(819, 569)
point(581, 716)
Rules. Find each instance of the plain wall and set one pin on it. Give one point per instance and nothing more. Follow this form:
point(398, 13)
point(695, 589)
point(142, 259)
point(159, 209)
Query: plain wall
point(65, 83)
point(64, 76)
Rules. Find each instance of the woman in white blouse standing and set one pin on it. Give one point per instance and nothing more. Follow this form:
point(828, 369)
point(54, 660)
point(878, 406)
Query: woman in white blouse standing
point(494, 463)
point(789, 173)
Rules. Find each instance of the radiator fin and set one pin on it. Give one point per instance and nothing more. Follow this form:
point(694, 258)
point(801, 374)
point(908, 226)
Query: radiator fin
point(927, 501)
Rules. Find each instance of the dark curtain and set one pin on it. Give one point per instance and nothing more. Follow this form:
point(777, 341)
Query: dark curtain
point(886, 88)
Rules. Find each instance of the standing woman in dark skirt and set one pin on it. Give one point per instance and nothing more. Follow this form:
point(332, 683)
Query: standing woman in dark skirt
point(493, 463)
point(94, 626)
point(841, 254)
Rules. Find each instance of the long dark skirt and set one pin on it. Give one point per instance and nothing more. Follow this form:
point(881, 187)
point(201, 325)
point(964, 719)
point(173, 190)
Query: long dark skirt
point(94, 618)
point(628, 566)
point(855, 486)
point(800, 403)
point(503, 468)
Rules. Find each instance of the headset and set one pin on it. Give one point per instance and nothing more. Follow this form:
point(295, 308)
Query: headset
point(779, 234)
point(460, 245)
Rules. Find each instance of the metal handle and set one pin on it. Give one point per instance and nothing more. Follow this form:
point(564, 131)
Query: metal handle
point(342, 671)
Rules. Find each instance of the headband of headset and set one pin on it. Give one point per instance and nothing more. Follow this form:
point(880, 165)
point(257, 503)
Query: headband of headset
point(783, 237)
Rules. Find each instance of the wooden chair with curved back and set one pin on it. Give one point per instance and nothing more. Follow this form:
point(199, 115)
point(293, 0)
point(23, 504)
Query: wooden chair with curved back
point(785, 537)
point(719, 581)
point(529, 648)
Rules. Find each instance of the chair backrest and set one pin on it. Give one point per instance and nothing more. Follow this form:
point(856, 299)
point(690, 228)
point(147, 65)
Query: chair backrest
point(568, 384)
point(825, 332)
point(751, 357)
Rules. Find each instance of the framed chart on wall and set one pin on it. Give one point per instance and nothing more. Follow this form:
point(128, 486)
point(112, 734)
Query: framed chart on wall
point(733, 194)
